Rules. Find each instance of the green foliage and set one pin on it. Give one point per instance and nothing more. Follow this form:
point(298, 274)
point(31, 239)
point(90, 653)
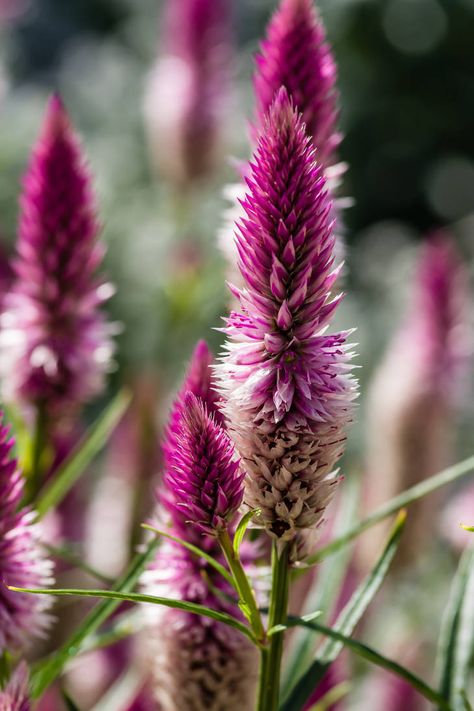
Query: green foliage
point(345, 623)
point(83, 454)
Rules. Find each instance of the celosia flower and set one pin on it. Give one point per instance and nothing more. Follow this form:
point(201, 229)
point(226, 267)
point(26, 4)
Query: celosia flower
point(205, 477)
point(15, 696)
point(285, 382)
point(187, 92)
point(295, 55)
point(197, 663)
point(55, 342)
point(412, 400)
point(22, 563)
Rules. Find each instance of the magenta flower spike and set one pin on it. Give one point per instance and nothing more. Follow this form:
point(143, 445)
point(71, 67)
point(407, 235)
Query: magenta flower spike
point(285, 383)
point(205, 477)
point(55, 342)
point(22, 562)
point(188, 89)
point(15, 697)
point(295, 55)
point(416, 391)
point(197, 663)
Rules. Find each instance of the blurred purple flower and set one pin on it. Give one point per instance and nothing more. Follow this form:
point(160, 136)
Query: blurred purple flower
point(197, 663)
point(188, 88)
point(413, 397)
point(295, 55)
point(334, 676)
point(22, 563)
point(55, 343)
point(286, 385)
point(15, 696)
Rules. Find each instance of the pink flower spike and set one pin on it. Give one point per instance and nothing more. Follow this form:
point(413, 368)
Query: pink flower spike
point(22, 562)
point(205, 478)
point(287, 405)
point(295, 55)
point(55, 344)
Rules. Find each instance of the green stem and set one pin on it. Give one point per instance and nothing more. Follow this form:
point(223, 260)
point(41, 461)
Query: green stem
point(263, 678)
point(277, 615)
point(246, 594)
point(38, 446)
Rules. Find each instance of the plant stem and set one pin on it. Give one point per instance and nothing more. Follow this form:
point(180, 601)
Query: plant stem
point(246, 594)
point(38, 445)
point(277, 615)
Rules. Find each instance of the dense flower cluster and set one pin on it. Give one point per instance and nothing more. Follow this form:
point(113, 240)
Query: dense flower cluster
point(55, 343)
point(295, 55)
point(285, 383)
point(197, 663)
point(22, 562)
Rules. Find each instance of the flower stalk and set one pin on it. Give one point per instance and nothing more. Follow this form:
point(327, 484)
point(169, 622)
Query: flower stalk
point(247, 602)
point(270, 690)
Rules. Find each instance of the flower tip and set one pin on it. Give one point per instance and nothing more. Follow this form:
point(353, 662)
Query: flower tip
point(56, 118)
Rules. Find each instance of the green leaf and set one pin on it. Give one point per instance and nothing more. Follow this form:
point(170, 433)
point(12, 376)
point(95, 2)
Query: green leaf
point(337, 693)
point(345, 623)
point(196, 550)
point(82, 455)
point(123, 626)
point(49, 669)
point(398, 502)
point(192, 607)
point(371, 655)
point(457, 634)
point(241, 528)
point(325, 593)
point(467, 528)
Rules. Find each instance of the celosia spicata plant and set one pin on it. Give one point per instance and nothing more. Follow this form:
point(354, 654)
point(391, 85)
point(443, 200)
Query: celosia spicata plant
point(188, 89)
point(296, 55)
point(197, 663)
point(286, 383)
point(22, 560)
point(414, 397)
point(251, 450)
point(55, 342)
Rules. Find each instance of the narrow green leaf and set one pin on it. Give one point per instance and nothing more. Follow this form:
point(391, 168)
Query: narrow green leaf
point(467, 528)
point(398, 502)
point(345, 623)
point(325, 593)
point(371, 655)
point(196, 550)
point(123, 626)
point(241, 528)
point(337, 693)
point(457, 634)
point(82, 455)
point(49, 669)
point(192, 607)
